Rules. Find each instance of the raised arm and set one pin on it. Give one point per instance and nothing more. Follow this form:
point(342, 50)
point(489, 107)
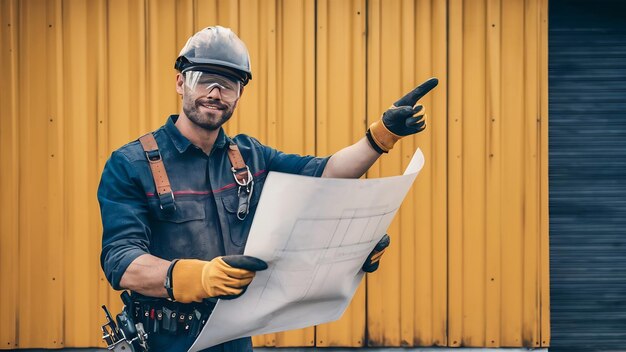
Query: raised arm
point(405, 117)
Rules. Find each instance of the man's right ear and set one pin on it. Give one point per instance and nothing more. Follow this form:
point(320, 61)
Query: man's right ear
point(180, 81)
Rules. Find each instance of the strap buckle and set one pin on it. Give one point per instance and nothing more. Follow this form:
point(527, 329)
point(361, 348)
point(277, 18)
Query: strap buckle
point(153, 156)
point(243, 181)
point(244, 193)
point(167, 201)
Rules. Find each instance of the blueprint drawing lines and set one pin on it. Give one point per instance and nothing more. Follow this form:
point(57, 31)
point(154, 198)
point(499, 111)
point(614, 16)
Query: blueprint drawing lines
point(354, 234)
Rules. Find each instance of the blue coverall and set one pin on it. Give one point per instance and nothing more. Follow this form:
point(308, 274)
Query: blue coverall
point(204, 224)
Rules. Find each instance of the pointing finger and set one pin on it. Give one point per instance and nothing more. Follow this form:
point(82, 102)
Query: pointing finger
point(416, 94)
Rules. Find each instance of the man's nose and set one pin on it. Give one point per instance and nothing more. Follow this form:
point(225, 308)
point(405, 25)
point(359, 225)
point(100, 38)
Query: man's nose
point(214, 93)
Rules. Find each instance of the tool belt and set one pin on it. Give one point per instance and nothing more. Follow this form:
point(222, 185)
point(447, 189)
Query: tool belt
point(160, 316)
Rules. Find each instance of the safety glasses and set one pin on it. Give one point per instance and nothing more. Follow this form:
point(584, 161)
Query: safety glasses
point(204, 82)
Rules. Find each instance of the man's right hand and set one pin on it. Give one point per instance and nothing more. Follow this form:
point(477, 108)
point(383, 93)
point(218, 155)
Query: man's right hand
point(224, 277)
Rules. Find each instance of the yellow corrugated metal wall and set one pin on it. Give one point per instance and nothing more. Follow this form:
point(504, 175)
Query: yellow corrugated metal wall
point(468, 265)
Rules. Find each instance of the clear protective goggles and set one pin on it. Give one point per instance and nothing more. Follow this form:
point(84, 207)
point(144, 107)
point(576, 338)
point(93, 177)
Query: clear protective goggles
point(204, 82)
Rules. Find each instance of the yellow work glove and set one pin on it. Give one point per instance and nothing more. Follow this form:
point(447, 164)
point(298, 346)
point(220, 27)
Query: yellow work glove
point(226, 277)
point(373, 260)
point(403, 118)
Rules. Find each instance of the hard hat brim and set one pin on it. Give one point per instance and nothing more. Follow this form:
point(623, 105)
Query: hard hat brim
point(225, 70)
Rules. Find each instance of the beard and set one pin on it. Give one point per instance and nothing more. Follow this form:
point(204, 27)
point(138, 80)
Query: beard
point(207, 118)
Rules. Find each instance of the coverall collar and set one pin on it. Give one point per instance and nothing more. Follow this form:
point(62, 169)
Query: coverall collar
point(182, 143)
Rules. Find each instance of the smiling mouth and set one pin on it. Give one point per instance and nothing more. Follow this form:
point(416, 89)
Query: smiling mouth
point(212, 106)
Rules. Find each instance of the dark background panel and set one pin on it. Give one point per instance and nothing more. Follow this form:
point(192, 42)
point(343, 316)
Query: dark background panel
point(587, 150)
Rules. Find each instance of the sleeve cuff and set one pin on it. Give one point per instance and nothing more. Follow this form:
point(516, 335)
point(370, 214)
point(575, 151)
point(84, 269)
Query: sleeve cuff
point(116, 273)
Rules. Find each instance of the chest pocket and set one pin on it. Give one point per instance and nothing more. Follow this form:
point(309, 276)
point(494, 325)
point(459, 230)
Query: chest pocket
point(238, 229)
point(178, 233)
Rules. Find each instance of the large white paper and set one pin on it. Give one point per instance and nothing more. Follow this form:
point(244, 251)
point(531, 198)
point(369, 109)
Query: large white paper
point(315, 234)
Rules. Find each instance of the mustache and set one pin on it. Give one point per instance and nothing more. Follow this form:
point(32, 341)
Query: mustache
point(214, 102)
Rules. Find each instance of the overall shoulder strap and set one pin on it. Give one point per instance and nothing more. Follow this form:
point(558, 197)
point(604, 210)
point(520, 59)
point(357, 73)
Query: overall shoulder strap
point(243, 177)
point(240, 170)
point(161, 181)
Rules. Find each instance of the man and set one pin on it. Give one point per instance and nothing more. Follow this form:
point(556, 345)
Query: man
point(177, 209)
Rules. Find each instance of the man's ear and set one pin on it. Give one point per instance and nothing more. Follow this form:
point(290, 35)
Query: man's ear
point(180, 81)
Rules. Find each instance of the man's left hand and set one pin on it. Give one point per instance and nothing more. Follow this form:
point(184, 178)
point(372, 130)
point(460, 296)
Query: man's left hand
point(405, 117)
point(373, 260)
